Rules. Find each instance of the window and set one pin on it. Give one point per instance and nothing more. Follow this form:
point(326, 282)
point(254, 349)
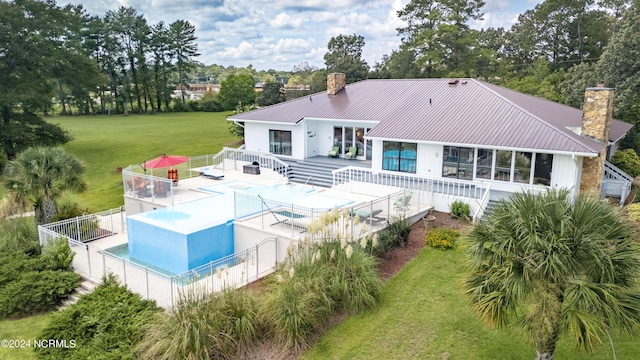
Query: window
point(485, 163)
point(542, 169)
point(503, 165)
point(280, 142)
point(337, 138)
point(457, 162)
point(522, 171)
point(399, 156)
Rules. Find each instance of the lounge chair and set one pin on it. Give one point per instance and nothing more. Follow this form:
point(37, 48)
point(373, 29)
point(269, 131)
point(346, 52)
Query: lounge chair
point(351, 154)
point(334, 152)
point(403, 201)
point(366, 215)
point(210, 173)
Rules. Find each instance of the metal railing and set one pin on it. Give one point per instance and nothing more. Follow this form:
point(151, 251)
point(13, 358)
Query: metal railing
point(292, 220)
point(235, 270)
point(613, 172)
point(234, 159)
point(443, 190)
point(85, 228)
point(482, 205)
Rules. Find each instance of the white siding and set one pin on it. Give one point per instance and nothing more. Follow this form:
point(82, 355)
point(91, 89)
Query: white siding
point(256, 137)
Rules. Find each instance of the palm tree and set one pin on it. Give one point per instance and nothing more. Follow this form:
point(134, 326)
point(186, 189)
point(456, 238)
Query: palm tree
point(551, 266)
point(39, 175)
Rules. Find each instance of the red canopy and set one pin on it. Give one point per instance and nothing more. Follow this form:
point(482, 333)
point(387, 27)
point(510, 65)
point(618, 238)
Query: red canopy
point(165, 161)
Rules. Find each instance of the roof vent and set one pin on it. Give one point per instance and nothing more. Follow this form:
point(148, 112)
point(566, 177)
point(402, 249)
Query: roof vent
point(453, 81)
point(464, 82)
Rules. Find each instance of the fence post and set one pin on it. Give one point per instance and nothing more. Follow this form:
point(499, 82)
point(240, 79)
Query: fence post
point(88, 258)
point(257, 261)
point(246, 265)
point(104, 265)
point(146, 278)
point(77, 229)
point(171, 284)
point(124, 271)
point(111, 218)
point(212, 279)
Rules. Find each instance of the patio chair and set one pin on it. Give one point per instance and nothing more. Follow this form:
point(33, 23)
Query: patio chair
point(210, 173)
point(160, 188)
point(351, 154)
point(403, 201)
point(334, 152)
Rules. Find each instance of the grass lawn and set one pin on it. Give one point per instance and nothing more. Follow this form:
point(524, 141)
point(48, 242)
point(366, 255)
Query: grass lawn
point(423, 314)
point(104, 142)
point(22, 329)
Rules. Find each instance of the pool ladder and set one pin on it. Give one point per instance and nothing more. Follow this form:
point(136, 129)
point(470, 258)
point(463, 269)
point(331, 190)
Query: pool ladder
point(305, 183)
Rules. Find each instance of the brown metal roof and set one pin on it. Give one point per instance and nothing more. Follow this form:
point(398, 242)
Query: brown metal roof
point(470, 112)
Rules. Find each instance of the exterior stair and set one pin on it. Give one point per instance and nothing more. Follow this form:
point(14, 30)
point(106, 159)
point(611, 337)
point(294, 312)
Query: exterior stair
point(314, 173)
point(86, 287)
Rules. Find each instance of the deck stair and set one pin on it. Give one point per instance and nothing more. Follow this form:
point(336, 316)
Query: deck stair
point(316, 172)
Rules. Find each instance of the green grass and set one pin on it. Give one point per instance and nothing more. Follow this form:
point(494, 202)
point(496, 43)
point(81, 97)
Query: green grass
point(104, 142)
point(22, 329)
point(423, 314)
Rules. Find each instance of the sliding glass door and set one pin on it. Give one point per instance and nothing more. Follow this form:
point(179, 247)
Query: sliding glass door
point(345, 137)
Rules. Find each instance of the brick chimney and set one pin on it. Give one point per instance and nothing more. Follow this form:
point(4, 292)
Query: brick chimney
point(596, 121)
point(335, 83)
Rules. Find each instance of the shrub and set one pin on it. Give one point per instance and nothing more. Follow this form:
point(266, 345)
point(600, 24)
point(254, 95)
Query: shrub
point(34, 292)
point(19, 236)
point(106, 324)
point(628, 161)
point(460, 210)
point(398, 230)
point(68, 209)
point(58, 254)
point(318, 280)
point(203, 326)
point(442, 238)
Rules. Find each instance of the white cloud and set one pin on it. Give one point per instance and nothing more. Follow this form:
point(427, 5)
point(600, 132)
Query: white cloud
point(283, 20)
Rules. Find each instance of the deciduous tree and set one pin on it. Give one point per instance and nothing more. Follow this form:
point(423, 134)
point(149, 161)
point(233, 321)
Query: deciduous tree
point(345, 56)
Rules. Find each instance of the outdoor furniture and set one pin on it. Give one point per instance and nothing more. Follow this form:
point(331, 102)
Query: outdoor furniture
point(403, 201)
point(160, 188)
point(172, 174)
point(251, 169)
point(211, 173)
point(368, 215)
point(351, 154)
point(334, 152)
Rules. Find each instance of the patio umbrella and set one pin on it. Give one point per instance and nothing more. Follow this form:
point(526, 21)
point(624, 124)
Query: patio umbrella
point(165, 161)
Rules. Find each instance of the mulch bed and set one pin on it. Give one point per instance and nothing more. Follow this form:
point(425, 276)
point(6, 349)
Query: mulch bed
point(400, 256)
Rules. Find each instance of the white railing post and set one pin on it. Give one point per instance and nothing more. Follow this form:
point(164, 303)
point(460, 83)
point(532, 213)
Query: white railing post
point(88, 258)
point(124, 271)
point(146, 278)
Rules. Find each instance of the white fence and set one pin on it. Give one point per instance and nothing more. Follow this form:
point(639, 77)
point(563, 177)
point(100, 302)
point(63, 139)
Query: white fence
point(85, 228)
point(442, 191)
point(293, 220)
point(234, 159)
point(93, 262)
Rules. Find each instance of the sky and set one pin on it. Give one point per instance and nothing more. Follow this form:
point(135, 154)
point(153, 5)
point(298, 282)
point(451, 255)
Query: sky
point(279, 34)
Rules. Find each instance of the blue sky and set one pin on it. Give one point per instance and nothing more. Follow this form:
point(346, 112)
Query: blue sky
point(279, 34)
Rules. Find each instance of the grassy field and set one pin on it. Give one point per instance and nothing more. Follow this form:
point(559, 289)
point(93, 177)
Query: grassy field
point(423, 314)
point(105, 142)
point(22, 329)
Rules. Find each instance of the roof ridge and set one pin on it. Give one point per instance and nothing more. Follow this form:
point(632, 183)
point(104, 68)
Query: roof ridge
point(574, 140)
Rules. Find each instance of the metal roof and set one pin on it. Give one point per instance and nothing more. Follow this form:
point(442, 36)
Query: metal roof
point(470, 112)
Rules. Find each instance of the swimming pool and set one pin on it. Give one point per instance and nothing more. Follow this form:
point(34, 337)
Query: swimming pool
point(180, 238)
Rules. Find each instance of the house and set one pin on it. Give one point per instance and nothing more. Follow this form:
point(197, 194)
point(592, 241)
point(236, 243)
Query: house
point(446, 128)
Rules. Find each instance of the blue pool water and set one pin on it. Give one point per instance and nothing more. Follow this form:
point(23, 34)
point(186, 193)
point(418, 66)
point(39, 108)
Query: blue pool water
point(194, 233)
